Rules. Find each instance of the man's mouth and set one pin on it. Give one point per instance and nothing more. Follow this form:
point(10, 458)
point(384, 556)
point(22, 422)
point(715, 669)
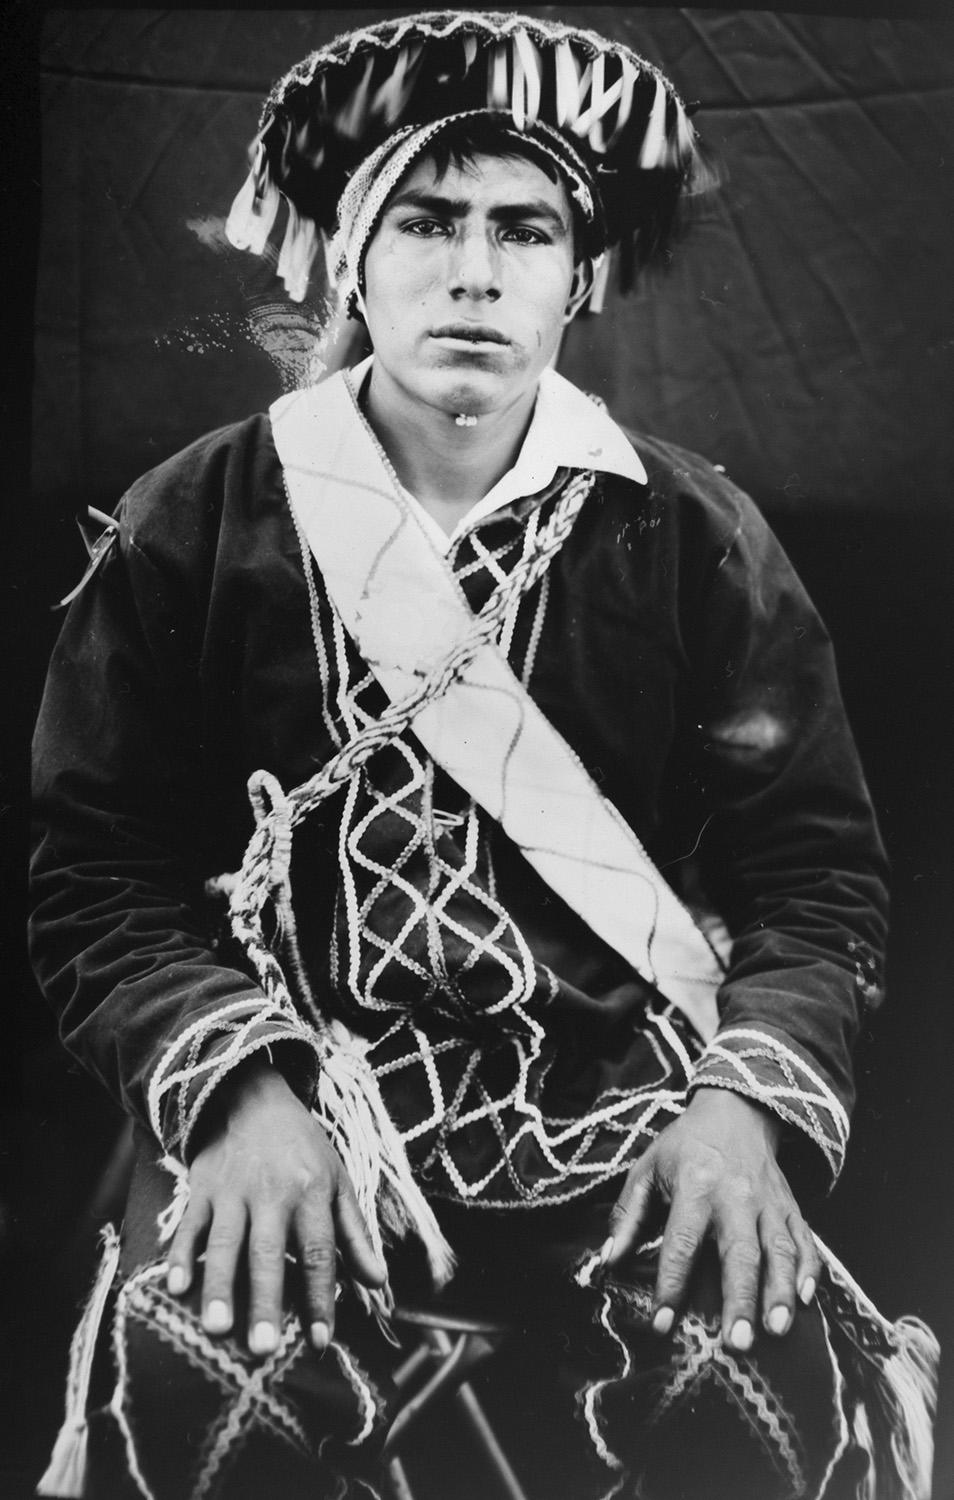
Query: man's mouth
point(470, 333)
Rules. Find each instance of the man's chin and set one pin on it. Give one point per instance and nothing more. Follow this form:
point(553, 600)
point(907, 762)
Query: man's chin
point(480, 396)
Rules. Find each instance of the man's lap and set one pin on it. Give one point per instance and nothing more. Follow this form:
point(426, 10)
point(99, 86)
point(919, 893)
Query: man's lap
point(582, 1392)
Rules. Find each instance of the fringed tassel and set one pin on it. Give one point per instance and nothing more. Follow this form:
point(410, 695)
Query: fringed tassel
point(170, 1218)
point(66, 1475)
point(567, 85)
point(352, 1111)
point(653, 150)
point(525, 103)
point(498, 92)
point(255, 208)
point(394, 93)
point(894, 1405)
point(352, 119)
point(890, 1374)
point(299, 248)
point(589, 122)
point(601, 272)
point(627, 88)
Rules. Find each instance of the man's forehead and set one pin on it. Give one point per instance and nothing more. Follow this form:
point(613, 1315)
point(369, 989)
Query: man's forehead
point(485, 181)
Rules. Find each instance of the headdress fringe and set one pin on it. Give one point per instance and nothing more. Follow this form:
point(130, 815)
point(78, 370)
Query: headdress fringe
point(338, 107)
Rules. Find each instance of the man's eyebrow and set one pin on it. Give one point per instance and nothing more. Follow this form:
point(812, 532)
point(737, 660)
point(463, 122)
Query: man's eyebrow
point(457, 208)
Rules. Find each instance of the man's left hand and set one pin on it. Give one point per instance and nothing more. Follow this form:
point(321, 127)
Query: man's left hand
point(716, 1168)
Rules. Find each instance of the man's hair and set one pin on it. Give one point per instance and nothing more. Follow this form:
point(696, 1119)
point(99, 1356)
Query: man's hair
point(463, 141)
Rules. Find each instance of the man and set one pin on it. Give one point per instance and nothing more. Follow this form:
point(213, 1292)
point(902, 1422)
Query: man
point(488, 668)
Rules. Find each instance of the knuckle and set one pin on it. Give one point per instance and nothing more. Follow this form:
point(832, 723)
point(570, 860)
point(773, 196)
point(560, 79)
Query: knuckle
point(684, 1242)
point(782, 1248)
point(221, 1241)
point(700, 1178)
point(266, 1255)
point(617, 1214)
point(744, 1256)
point(740, 1189)
point(317, 1256)
point(306, 1179)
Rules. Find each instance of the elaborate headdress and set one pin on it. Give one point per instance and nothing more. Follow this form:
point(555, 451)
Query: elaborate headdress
point(364, 106)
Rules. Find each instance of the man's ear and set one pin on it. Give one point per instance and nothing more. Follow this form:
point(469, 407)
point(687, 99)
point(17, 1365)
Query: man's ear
point(580, 288)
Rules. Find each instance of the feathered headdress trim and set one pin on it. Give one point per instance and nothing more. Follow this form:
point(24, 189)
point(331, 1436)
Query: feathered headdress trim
point(618, 111)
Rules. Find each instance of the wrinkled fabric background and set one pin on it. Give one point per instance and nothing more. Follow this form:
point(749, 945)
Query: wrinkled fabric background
point(802, 338)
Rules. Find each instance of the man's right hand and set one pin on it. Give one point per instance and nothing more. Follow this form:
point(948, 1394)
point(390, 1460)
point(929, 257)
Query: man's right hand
point(268, 1179)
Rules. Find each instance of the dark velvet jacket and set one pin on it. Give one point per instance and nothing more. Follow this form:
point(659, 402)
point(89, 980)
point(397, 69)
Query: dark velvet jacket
point(680, 657)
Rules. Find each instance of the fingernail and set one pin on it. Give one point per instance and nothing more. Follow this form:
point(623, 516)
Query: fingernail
point(807, 1290)
point(779, 1319)
point(320, 1336)
point(606, 1250)
point(217, 1317)
point(177, 1280)
point(740, 1334)
point(664, 1320)
point(263, 1338)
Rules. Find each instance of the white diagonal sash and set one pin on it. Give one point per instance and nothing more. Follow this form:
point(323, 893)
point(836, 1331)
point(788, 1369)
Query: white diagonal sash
point(405, 610)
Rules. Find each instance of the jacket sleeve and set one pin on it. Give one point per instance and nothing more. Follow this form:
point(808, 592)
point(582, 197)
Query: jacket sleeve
point(790, 854)
point(118, 934)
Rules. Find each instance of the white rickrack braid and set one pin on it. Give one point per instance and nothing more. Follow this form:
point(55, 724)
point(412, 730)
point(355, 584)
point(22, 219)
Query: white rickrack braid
point(349, 1099)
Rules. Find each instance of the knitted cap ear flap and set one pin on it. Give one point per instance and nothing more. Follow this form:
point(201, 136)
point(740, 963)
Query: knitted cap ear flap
point(617, 111)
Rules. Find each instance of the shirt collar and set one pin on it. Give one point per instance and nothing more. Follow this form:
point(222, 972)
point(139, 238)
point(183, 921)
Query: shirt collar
point(568, 430)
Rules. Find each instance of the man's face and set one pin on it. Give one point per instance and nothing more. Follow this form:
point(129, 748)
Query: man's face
point(468, 283)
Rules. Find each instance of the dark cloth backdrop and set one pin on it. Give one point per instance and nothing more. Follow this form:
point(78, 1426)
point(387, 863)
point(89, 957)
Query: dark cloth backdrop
point(802, 338)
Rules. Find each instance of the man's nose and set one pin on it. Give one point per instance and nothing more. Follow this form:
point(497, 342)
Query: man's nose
point(475, 266)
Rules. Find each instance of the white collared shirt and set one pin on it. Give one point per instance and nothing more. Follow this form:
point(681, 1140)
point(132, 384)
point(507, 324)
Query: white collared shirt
point(567, 431)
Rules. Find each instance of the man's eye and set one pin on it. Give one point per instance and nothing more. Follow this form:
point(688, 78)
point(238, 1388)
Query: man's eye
point(522, 234)
point(425, 229)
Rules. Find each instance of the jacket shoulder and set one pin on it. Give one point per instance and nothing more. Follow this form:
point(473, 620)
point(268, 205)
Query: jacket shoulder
point(224, 477)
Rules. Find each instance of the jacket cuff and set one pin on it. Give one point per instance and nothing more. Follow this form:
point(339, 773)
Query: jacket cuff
point(769, 1071)
point(194, 1064)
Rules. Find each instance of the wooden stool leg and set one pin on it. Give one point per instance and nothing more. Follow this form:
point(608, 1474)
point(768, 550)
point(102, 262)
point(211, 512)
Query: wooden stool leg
point(398, 1487)
point(466, 1398)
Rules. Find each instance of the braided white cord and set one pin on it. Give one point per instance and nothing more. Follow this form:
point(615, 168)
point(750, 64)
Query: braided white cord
point(264, 868)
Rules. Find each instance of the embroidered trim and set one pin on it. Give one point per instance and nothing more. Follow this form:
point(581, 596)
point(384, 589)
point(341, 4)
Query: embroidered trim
point(705, 1356)
point(200, 1056)
point(754, 1063)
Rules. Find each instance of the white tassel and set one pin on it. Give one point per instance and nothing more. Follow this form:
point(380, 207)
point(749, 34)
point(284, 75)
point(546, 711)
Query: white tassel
point(170, 1218)
point(65, 1476)
point(627, 86)
point(567, 85)
point(601, 270)
point(498, 94)
point(352, 118)
point(590, 121)
point(653, 150)
point(395, 91)
point(352, 1111)
point(470, 51)
point(897, 1400)
point(525, 104)
point(905, 1392)
point(254, 209)
point(295, 259)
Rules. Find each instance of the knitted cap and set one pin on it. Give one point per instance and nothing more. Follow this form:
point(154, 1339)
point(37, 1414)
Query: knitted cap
point(620, 121)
